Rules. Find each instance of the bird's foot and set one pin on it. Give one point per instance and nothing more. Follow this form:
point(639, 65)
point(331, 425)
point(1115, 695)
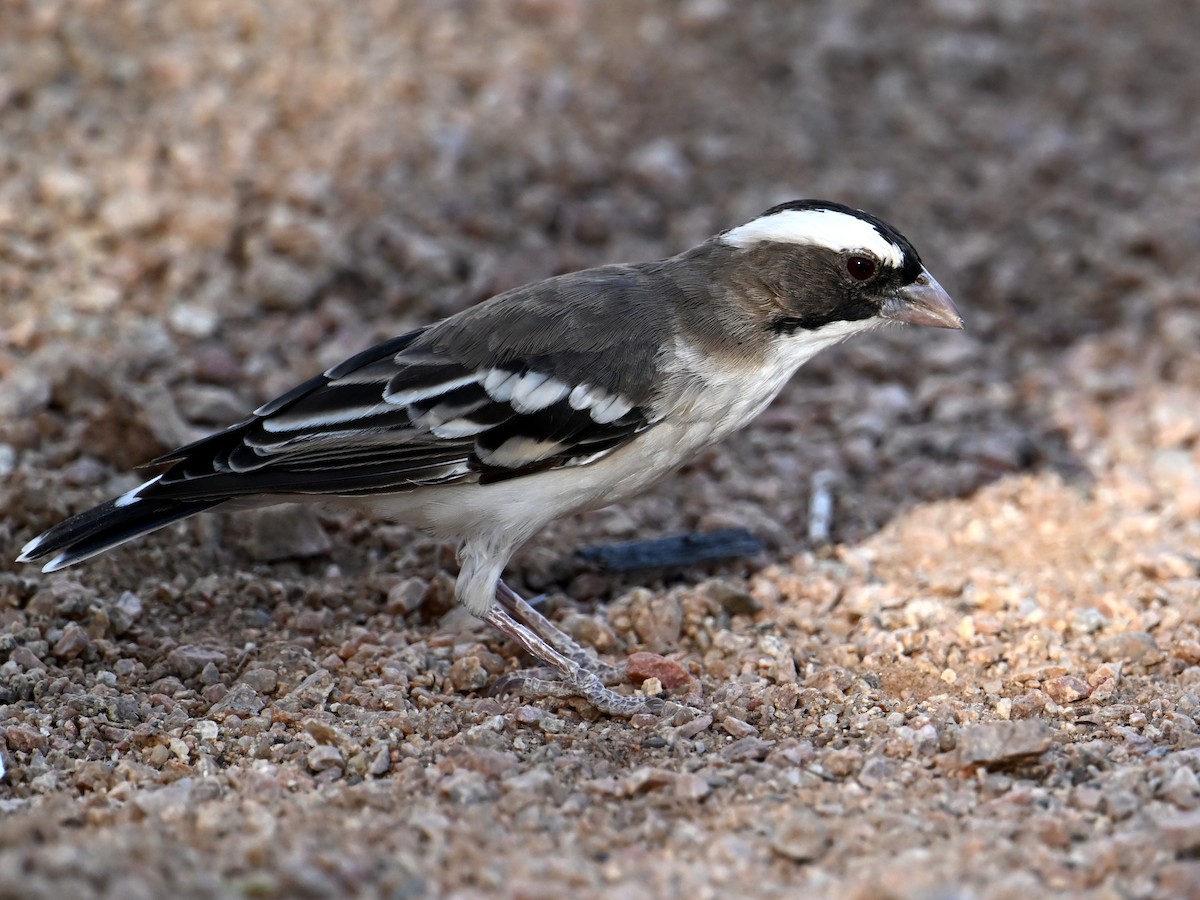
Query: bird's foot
point(538, 684)
point(524, 612)
point(568, 677)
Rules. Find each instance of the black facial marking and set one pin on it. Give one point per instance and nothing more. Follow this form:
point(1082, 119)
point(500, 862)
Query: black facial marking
point(816, 287)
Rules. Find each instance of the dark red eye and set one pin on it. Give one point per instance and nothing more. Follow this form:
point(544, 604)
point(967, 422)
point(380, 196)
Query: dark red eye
point(861, 267)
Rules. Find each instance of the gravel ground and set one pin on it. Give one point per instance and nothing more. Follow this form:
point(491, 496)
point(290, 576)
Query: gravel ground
point(983, 682)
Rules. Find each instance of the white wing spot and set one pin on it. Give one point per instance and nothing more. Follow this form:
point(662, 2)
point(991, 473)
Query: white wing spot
point(838, 231)
point(499, 384)
point(457, 428)
point(520, 451)
point(610, 409)
point(537, 392)
point(583, 396)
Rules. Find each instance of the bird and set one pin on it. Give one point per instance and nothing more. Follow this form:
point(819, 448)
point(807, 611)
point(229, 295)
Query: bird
point(566, 394)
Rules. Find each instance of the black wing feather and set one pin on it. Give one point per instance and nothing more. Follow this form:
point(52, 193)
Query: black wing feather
point(392, 418)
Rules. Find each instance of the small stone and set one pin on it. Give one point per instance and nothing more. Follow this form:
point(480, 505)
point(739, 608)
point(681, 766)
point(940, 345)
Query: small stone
point(529, 715)
point(311, 621)
point(1181, 789)
point(536, 781)
point(26, 659)
point(642, 665)
point(241, 700)
point(591, 631)
point(731, 596)
point(694, 727)
point(323, 757)
point(209, 404)
point(63, 597)
point(1181, 833)
point(323, 732)
point(999, 744)
point(661, 164)
point(651, 687)
point(737, 728)
point(407, 596)
point(189, 660)
point(130, 210)
point(315, 689)
point(381, 763)
point(657, 619)
point(126, 611)
point(1187, 650)
point(802, 837)
point(264, 681)
point(1067, 689)
point(25, 738)
point(1178, 878)
point(747, 749)
point(1129, 646)
point(468, 674)
point(210, 674)
point(690, 787)
point(647, 779)
point(214, 693)
point(875, 771)
point(1088, 620)
point(73, 642)
point(287, 532)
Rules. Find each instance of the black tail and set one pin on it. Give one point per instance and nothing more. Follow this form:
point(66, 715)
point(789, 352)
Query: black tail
point(107, 525)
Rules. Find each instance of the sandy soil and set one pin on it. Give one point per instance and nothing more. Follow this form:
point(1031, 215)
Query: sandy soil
point(986, 683)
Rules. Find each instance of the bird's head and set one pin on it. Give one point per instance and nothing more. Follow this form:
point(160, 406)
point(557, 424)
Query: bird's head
point(825, 265)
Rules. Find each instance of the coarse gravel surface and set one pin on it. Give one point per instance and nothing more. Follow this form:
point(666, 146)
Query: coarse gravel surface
point(983, 681)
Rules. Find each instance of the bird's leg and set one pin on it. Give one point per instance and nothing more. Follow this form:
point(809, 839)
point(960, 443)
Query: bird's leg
point(574, 681)
point(520, 610)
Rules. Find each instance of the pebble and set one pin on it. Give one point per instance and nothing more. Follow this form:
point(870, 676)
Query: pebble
point(737, 728)
point(290, 531)
point(323, 757)
point(1066, 689)
point(125, 612)
point(261, 680)
point(657, 619)
point(1181, 789)
point(643, 665)
point(801, 837)
point(314, 689)
point(241, 700)
point(407, 596)
point(1000, 743)
point(381, 763)
point(467, 674)
point(24, 738)
point(732, 596)
point(74, 641)
point(1128, 646)
point(26, 659)
point(189, 660)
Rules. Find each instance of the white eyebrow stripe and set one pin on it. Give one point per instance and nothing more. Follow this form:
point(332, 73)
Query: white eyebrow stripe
point(829, 228)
